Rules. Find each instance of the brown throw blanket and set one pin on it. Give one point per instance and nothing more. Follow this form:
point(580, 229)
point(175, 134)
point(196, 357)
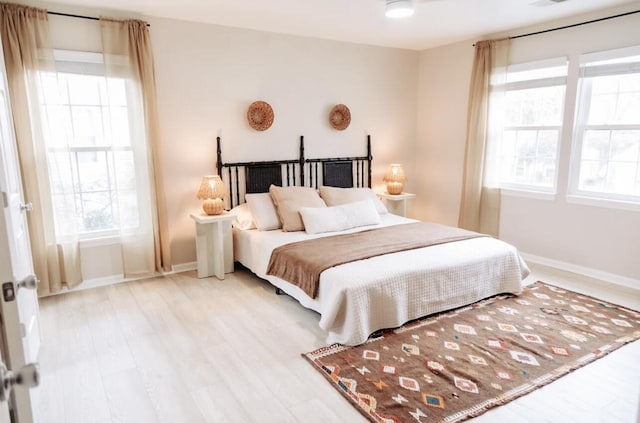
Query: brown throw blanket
point(302, 262)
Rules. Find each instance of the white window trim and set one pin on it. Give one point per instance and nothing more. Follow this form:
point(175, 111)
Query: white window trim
point(555, 62)
point(575, 194)
point(601, 56)
point(525, 192)
point(526, 189)
point(91, 63)
point(609, 203)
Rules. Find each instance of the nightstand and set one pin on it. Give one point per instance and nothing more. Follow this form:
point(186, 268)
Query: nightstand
point(214, 244)
point(396, 204)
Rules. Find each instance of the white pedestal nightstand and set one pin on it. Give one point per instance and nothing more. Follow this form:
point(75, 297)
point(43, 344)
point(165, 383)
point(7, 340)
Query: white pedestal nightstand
point(396, 204)
point(214, 244)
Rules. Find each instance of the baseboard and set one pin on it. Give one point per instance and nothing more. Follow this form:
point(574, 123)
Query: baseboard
point(184, 267)
point(115, 279)
point(97, 282)
point(585, 271)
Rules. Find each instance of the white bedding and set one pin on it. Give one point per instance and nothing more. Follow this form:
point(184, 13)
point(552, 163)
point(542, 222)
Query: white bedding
point(354, 299)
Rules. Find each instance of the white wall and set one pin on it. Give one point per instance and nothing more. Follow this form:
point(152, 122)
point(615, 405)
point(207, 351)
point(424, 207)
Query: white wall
point(207, 75)
point(443, 91)
point(603, 239)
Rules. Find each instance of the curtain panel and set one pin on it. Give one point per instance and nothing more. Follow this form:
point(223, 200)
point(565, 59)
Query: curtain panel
point(130, 39)
point(27, 53)
point(480, 202)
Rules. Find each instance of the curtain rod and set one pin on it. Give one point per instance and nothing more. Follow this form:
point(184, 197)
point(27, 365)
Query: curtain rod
point(574, 25)
point(571, 26)
point(70, 15)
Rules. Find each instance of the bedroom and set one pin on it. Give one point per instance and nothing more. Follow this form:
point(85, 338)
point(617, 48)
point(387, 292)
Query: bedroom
point(208, 74)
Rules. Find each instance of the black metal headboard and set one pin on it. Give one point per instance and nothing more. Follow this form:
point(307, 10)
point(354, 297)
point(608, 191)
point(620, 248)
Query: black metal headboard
point(256, 177)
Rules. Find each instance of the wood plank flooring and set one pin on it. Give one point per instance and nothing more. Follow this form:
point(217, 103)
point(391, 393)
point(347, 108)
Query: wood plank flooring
point(183, 349)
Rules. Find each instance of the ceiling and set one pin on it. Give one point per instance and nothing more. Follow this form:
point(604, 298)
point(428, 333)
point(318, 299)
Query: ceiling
point(435, 22)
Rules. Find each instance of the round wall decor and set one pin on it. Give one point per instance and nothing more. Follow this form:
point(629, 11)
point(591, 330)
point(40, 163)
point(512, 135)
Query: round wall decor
point(260, 115)
point(340, 117)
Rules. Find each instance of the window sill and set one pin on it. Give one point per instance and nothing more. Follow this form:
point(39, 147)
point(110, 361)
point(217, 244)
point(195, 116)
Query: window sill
point(536, 195)
point(99, 242)
point(603, 202)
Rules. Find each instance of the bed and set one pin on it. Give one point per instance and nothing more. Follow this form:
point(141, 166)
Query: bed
point(358, 298)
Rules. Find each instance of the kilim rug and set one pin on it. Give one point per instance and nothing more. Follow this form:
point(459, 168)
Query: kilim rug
point(458, 364)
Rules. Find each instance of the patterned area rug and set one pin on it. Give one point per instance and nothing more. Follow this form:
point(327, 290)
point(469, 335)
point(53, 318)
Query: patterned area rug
point(458, 364)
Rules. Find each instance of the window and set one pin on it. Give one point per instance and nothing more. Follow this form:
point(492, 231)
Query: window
point(607, 136)
point(88, 127)
point(531, 125)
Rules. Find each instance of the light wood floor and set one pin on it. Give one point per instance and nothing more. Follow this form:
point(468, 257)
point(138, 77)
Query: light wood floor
point(181, 349)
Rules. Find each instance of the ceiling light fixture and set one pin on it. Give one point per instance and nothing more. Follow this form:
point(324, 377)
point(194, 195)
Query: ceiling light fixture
point(399, 9)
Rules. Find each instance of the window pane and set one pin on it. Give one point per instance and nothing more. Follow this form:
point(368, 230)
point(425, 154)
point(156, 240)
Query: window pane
point(124, 170)
point(547, 144)
point(97, 211)
point(625, 145)
point(592, 175)
point(54, 90)
point(58, 125)
point(128, 208)
point(93, 172)
point(596, 145)
point(545, 172)
point(615, 99)
point(62, 172)
point(84, 90)
point(528, 157)
point(620, 178)
point(119, 126)
point(87, 126)
point(116, 92)
point(535, 106)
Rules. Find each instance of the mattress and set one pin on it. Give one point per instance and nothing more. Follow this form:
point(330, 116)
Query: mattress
point(358, 298)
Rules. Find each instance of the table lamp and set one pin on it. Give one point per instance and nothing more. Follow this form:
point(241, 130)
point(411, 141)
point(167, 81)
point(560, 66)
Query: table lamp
point(394, 178)
point(212, 190)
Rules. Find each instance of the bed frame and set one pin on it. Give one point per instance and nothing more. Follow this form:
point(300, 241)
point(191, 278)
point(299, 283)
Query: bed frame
point(256, 177)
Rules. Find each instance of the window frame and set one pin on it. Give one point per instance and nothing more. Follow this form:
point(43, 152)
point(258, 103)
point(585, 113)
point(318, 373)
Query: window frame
point(92, 64)
point(513, 188)
point(591, 67)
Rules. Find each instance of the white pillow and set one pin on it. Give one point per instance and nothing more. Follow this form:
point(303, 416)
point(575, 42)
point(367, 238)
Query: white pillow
point(331, 219)
point(244, 218)
point(333, 196)
point(264, 211)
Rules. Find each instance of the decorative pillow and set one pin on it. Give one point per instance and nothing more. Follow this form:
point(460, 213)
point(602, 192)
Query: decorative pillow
point(339, 218)
point(244, 218)
point(338, 196)
point(289, 201)
point(264, 211)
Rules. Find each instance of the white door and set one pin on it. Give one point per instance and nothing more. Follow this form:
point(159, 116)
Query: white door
point(18, 303)
point(4, 406)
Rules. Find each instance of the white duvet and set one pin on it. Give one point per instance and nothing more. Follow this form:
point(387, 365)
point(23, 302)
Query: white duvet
point(359, 298)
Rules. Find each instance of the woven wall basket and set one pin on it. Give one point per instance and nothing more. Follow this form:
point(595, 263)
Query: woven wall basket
point(340, 117)
point(260, 115)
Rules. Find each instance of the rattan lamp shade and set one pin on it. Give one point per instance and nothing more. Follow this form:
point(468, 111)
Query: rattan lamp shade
point(212, 191)
point(394, 178)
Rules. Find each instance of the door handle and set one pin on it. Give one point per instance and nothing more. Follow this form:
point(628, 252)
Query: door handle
point(28, 376)
point(26, 207)
point(29, 282)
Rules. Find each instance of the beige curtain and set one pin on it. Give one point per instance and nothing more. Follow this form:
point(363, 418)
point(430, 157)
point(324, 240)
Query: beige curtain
point(27, 53)
point(127, 52)
point(480, 204)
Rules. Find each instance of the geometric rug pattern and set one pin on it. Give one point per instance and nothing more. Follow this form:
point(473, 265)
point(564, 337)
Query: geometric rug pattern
point(458, 364)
